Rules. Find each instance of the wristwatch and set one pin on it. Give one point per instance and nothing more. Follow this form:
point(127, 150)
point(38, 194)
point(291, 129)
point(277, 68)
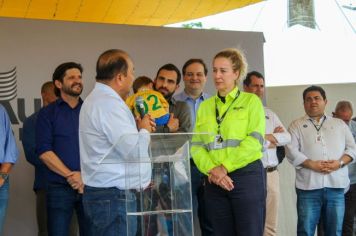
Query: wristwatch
point(342, 163)
point(4, 176)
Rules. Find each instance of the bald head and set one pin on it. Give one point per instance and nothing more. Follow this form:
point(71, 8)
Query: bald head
point(343, 111)
point(115, 69)
point(110, 63)
point(47, 86)
point(47, 93)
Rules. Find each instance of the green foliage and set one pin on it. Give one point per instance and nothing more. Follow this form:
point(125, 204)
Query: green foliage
point(196, 25)
point(193, 25)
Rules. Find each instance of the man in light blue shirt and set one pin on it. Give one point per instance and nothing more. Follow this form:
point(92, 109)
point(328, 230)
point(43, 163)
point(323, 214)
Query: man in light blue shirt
point(8, 156)
point(109, 138)
point(194, 76)
point(344, 112)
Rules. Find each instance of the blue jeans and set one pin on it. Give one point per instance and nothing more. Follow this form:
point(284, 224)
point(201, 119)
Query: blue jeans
point(327, 203)
point(62, 200)
point(106, 211)
point(241, 211)
point(199, 210)
point(4, 197)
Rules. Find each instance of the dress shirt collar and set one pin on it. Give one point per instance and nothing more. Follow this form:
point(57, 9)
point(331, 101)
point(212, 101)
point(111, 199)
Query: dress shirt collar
point(60, 102)
point(185, 96)
point(107, 89)
point(230, 96)
point(306, 117)
point(172, 101)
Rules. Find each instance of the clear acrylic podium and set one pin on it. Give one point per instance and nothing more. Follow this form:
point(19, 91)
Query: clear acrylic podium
point(158, 173)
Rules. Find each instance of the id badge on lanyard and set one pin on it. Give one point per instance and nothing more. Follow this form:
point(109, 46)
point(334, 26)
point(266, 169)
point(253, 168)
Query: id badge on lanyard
point(218, 142)
point(318, 138)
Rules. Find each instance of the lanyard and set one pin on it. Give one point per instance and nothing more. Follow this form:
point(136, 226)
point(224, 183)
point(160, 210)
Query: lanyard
point(219, 120)
point(318, 127)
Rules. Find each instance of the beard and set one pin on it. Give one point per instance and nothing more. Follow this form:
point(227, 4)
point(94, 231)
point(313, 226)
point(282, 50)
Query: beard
point(72, 92)
point(166, 94)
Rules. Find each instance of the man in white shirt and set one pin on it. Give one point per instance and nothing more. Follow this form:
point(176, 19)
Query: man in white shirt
point(276, 135)
point(109, 138)
point(320, 149)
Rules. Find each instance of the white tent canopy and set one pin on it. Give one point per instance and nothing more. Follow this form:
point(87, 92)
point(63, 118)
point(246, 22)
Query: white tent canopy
point(298, 55)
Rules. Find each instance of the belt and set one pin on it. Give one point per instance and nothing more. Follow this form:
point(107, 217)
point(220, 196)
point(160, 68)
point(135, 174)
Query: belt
point(271, 169)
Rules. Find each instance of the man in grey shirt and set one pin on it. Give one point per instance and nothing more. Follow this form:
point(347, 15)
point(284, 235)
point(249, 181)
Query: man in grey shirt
point(167, 82)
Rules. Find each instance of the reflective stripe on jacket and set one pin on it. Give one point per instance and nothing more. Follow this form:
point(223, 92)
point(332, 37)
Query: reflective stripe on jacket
point(242, 130)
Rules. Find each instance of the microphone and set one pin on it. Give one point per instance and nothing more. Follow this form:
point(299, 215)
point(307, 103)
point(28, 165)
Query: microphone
point(140, 106)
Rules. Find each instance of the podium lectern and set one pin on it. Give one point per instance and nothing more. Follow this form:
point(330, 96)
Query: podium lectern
point(157, 173)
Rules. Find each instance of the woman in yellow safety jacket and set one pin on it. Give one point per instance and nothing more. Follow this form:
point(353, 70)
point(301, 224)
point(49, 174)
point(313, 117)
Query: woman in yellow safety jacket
point(230, 154)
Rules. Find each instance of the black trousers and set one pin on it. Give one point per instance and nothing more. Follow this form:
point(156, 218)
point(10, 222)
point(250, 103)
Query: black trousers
point(241, 211)
point(199, 209)
point(350, 212)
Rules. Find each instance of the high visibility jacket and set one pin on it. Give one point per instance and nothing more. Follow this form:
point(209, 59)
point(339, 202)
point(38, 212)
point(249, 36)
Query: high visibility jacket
point(242, 131)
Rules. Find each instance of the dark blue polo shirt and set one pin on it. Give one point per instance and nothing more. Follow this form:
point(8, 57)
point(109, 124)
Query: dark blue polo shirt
point(57, 129)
